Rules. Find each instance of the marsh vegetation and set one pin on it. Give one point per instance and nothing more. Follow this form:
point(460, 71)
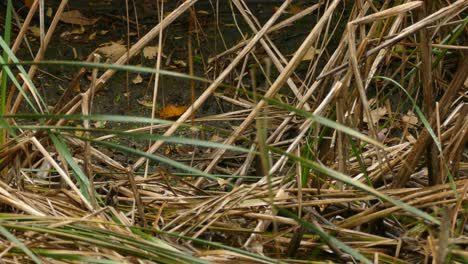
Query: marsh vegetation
point(233, 131)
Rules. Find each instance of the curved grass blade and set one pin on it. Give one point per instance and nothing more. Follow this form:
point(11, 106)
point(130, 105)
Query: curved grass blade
point(347, 180)
point(326, 237)
point(112, 118)
point(130, 68)
point(175, 140)
point(326, 122)
point(426, 124)
point(417, 109)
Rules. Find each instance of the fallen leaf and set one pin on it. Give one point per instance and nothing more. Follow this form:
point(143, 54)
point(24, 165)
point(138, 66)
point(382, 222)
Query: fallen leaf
point(137, 79)
point(310, 54)
point(294, 9)
point(216, 138)
point(112, 50)
point(146, 101)
point(76, 31)
point(376, 115)
point(92, 36)
point(28, 3)
point(49, 12)
point(172, 111)
point(76, 18)
point(79, 132)
point(150, 52)
point(180, 63)
point(410, 118)
point(35, 31)
point(100, 124)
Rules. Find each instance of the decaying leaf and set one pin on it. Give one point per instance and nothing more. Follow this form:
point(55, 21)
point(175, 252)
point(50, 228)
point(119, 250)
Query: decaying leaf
point(76, 31)
point(146, 101)
point(172, 111)
point(180, 63)
point(112, 50)
point(150, 52)
point(28, 3)
point(76, 18)
point(35, 31)
point(294, 9)
point(92, 36)
point(376, 114)
point(410, 118)
point(138, 79)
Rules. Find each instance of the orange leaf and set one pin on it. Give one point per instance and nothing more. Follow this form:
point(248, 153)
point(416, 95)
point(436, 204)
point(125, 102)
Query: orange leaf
point(172, 111)
point(28, 3)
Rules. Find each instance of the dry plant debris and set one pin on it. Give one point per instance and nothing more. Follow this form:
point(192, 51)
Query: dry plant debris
point(346, 146)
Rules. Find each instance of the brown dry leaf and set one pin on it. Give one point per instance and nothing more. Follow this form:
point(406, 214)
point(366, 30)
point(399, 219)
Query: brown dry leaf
point(410, 118)
point(172, 111)
point(76, 18)
point(112, 50)
point(377, 114)
point(294, 9)
point(150, 52)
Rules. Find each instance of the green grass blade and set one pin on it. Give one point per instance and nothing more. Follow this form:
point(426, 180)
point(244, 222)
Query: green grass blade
point(154, 157)
point(10, 74)
point(22, 246)
point(80, 176)
point(129, 68)
point(141, 136)
point(13, 58)
point(3, 77)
